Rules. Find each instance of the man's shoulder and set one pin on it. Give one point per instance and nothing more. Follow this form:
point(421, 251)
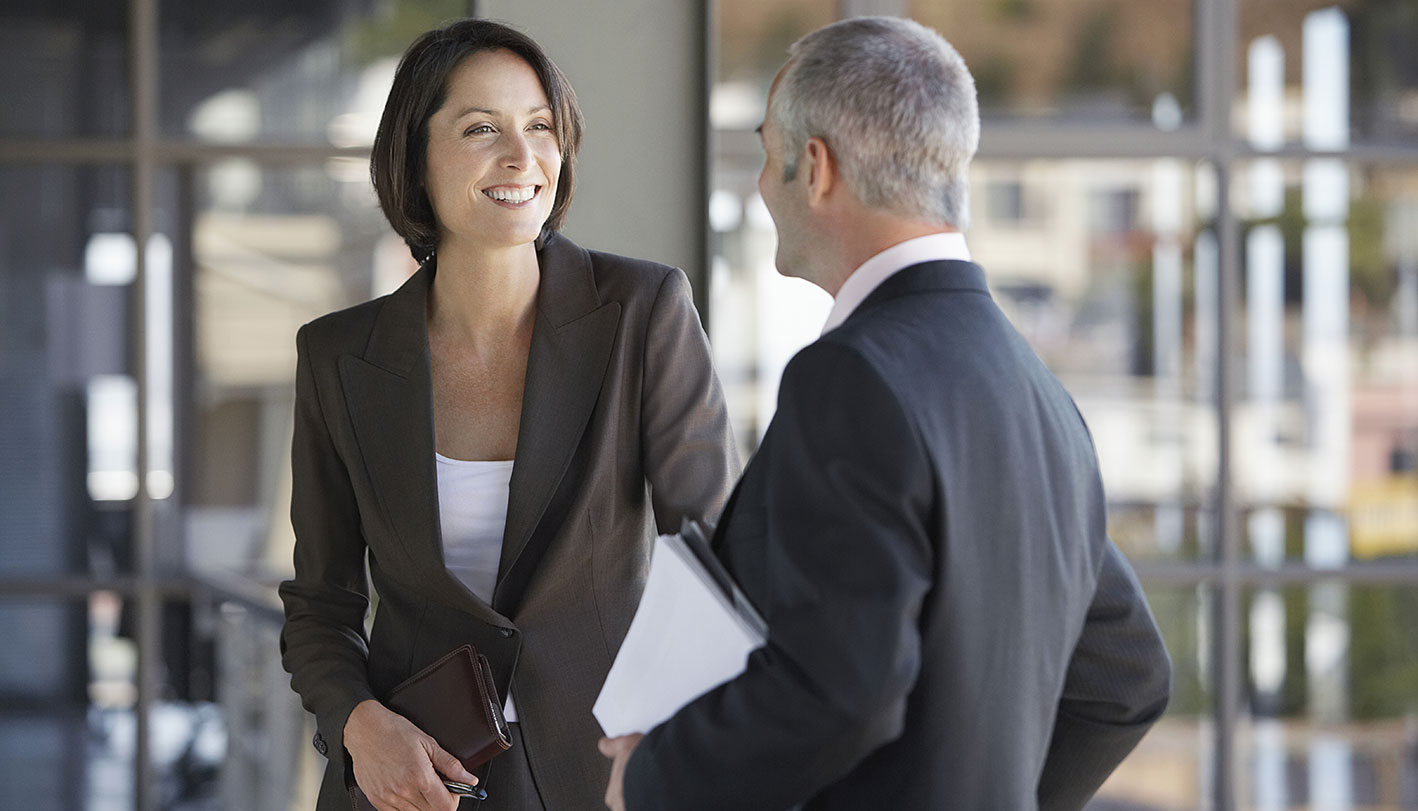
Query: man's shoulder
point(941, 352)
point(843, 364)
point(900, 335)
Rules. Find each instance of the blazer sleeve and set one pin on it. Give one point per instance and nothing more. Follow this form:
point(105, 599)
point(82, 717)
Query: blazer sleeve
point(690, 459)
point(850, 561)
point(1117, 685)
point(323, 642)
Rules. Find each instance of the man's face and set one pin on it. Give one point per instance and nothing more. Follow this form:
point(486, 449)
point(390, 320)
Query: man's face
point(785, 199)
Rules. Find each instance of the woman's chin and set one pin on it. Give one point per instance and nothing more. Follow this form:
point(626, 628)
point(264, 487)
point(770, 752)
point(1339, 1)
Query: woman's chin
point(495, 239)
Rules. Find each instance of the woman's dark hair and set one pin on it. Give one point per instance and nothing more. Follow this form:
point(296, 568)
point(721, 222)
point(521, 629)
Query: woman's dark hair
point(420, 88)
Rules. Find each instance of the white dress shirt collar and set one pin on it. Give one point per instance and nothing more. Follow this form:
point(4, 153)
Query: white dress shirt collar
point(879, 268)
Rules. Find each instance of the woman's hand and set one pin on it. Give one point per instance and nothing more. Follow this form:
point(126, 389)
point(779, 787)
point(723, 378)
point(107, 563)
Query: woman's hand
point(397, 765)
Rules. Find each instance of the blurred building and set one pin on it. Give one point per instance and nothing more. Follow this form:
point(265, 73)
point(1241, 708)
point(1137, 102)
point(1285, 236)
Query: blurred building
point(1203, 214)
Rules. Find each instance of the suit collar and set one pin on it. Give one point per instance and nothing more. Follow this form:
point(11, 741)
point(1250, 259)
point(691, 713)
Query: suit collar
point(388, 391)
point(399, 341)
point(570, 352)
point(882, 266)
point(938, 276)
point(568, 288)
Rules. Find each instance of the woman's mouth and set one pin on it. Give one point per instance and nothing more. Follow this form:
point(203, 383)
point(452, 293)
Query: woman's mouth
point(512, 196)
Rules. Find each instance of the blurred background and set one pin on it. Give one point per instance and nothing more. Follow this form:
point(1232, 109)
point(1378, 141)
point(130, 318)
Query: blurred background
point(1202, 213)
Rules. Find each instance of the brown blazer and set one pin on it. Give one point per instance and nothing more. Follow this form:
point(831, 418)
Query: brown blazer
point(623, 432)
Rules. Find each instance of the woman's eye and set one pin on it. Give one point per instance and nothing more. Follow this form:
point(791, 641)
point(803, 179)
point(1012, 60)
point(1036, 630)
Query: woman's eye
point(479, 129)
point(541, 125)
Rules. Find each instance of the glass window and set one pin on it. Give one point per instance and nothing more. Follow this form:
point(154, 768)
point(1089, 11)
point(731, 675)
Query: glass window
point(1064, 60)
point(1170, 768)
point(753, 40)
point(64, 67)
point(265, 757)
point(294, 73)
point(1326, 73)
point(1332, 688)
point(1006, 205)
point(272, 248)
point(68, 442)
point(760, 317)
point(1110, 268)
point(67, 673)
point(1101, 274)
point(1327, 425)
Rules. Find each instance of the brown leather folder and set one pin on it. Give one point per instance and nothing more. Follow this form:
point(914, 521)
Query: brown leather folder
point(454, 701)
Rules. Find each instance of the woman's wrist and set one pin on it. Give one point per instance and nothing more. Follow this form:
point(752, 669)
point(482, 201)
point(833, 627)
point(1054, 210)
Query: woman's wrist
point(359, 718)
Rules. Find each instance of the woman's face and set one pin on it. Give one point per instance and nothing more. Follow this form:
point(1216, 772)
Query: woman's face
point(493, 159)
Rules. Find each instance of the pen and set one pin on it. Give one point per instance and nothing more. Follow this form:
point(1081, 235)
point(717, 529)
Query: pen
point(465, 790)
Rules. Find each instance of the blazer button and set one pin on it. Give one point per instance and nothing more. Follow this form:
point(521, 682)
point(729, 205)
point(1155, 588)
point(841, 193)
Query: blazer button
point(507, 633)
point(320, 745)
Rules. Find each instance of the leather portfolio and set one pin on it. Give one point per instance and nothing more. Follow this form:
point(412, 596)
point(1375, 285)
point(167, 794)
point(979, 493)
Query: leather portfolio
point(454, 701)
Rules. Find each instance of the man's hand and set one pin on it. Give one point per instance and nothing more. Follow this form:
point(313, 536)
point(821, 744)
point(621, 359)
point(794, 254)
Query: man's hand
point(618, 750)
point(397, 765)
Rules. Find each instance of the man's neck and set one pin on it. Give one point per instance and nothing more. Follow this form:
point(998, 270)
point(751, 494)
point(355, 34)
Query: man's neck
point(868, 234)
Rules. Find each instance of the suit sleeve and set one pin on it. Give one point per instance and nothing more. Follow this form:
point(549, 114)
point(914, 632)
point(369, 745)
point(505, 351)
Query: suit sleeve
point(849, 562)
point(689, 453)
point(323, 643)
point(1117, 685)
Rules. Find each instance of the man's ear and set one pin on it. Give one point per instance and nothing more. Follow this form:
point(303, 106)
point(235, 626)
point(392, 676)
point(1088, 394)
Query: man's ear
point(821, 168)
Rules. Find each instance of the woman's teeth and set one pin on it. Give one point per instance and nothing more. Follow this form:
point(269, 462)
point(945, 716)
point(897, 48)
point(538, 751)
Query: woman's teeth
point(506, 194)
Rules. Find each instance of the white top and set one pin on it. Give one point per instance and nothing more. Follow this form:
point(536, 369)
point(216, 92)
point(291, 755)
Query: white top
point(472, 508)
point(879, 268)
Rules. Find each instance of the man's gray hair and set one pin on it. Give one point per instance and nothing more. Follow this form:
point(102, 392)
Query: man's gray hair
point(896, 105)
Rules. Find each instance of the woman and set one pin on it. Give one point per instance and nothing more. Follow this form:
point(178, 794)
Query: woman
point(502, 437)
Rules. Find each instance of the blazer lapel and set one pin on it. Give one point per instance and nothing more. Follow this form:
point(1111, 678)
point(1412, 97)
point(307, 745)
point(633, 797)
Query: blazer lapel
point(571, 347)
point(389, 395)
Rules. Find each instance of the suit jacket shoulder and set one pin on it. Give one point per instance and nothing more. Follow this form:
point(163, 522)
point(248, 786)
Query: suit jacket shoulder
point(345, 330)
point(613, 269)
point(637, 284)
point(623, 279)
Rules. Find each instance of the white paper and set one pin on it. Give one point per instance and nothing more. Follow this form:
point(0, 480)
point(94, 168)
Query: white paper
point(686, 639)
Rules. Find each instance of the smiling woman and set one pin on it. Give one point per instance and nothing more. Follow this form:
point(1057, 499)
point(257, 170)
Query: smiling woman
point(498, 441)
point(490, 152)
point(438, 83)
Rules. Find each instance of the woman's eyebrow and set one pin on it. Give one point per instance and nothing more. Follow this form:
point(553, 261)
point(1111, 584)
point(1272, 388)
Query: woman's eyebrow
point(489, 111)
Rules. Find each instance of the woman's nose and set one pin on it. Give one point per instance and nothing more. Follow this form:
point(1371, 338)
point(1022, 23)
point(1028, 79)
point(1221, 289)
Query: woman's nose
point(517, 150)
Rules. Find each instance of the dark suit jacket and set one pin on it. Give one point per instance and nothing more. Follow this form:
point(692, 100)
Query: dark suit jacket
point(923, 528)
point(623, 431)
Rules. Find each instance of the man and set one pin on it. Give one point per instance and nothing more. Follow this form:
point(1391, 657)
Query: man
point(923, 526)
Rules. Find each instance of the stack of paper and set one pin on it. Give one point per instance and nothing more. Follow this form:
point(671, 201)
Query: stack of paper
point(693, 631)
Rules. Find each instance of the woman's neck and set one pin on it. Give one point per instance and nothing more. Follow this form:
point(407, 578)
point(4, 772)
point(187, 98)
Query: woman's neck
point(484, 296)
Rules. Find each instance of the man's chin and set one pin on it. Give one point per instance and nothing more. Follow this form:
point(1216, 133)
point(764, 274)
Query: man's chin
point(787, 267)
point(796, 270)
